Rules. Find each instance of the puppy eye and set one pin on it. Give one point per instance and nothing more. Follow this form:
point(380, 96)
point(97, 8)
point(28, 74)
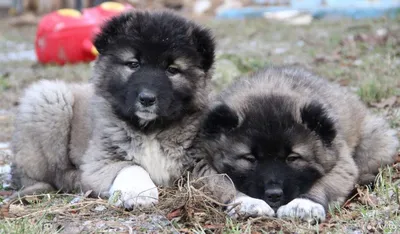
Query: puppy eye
point(293, 157)
point(172, 70)
point(132, 64)
point(248, 157)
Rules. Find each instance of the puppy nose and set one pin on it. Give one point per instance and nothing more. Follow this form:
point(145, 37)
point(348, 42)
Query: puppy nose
point(147, 98)
point(274, 194)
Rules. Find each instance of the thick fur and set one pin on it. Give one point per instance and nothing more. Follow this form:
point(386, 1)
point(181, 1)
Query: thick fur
point(50, 136)
point(295, 140)
point(129, 129)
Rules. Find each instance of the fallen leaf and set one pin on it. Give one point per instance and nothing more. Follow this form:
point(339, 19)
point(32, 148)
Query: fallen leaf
point(344, 82)
point(326, 225)
point(5, 210)
point(321, 59)
point(184, 230)
point(213, 226)
point(335, 57)
point(351, 57)
point(5, 193)
point(366, 198)
point(389, 102)
point(175, 213)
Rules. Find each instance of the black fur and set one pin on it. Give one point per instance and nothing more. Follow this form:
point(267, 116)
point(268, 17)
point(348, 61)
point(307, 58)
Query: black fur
point(314, 116)
point(156, 39)
point(220, 119)
point(158, 36)
point(270, 131)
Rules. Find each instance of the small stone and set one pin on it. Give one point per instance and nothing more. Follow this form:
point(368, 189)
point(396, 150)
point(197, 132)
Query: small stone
point(300, 43)
point(100, 208)
point(201, 6)
point(280, 50)
point(75, 200)
point(358, 62)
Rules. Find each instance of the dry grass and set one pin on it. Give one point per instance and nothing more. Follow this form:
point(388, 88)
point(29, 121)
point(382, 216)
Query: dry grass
point(189, 209)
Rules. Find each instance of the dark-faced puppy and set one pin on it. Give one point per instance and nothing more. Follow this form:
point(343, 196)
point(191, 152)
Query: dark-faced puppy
point(268, 155)
point(295, 141)
point(151, 87)
point(151, 67)
point(128, 131)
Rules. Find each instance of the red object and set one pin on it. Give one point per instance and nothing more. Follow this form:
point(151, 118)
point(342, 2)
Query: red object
point(65, 36)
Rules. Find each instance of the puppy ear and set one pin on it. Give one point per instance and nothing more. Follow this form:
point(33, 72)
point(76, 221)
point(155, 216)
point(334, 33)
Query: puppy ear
point(205, 45)
point(315, 117)
point(220, 119)
point(110, 30)
point(104, 37)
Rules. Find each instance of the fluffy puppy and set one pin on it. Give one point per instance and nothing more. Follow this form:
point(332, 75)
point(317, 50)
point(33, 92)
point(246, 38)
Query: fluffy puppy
point(294, 143)
point(128, 130)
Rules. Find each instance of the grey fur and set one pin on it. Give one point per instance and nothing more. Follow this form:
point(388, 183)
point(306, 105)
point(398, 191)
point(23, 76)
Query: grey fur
point(50, 114)
point(364, 141)
point(67, 136)
point(101, 166)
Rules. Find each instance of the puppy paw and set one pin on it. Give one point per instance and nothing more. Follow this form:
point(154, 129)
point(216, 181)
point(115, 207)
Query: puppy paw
point(249, 207)
point(133, 188)
point(304, 209)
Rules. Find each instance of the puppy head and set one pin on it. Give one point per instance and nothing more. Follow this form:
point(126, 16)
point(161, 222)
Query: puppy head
point(274, 149)
point(153, 67)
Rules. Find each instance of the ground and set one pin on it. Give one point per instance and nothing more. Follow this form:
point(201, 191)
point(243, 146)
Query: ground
point(362, 55)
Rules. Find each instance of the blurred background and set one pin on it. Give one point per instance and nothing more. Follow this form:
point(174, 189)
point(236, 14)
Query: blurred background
point(355, 43)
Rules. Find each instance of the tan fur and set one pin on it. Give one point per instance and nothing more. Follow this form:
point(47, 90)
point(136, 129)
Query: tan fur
point(100, 168)
point(54, 130)
point(364, 142)
point(68, 136)
point(360, 133)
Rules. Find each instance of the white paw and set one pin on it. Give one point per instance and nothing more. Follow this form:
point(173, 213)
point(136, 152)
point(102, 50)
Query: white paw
point(249, 207)
point(133, 188)
point(303, 209)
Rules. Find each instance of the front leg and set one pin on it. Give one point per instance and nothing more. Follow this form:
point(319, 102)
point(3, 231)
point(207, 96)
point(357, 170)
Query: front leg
point(335, 186)
point(249, 207)
point(121, 182)
point(223, 190)
point(132, 188)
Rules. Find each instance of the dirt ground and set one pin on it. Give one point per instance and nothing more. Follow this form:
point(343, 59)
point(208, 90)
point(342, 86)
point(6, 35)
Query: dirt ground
point(362, 55)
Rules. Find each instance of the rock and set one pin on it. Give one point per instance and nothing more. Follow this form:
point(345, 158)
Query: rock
point(100, 208)
point(201, 6)
point(292, 17)
point(280, 50)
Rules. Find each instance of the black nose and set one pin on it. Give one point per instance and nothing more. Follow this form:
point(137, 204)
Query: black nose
point(274, 194)
point(147, 98)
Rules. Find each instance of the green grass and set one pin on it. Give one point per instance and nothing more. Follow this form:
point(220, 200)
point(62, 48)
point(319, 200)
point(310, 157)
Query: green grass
point(28, 226)
point(4, 82)
point(374, 90)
